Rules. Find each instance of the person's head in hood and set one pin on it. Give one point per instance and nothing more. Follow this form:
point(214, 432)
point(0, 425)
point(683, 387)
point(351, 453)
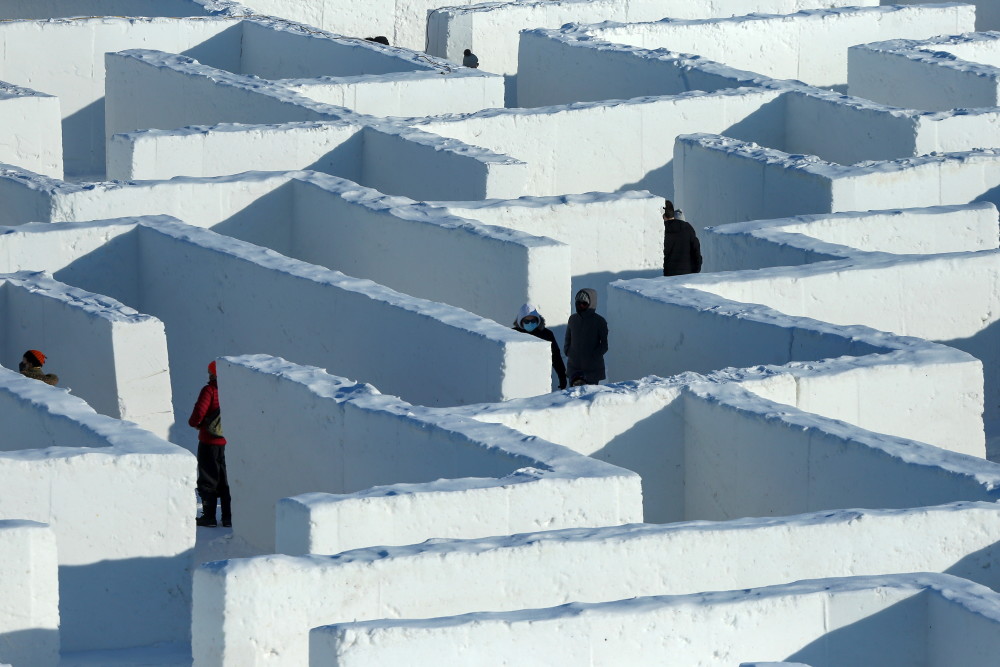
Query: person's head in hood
point(668, 210)
point(586, 299)
point(528, 318)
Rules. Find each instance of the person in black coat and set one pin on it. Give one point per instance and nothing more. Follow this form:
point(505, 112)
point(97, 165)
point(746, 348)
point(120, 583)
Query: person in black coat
point(586, 340)
point(529, 321)
point(681, 249)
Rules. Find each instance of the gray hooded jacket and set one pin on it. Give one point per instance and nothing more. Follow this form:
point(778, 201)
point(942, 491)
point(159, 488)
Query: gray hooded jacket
point(586, 342)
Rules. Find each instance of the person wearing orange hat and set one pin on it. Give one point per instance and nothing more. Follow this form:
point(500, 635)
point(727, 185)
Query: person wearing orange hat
point(31, 366)
point(213, 480)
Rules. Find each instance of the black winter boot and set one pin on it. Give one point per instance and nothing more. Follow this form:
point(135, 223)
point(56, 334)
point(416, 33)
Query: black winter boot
point(207, 518)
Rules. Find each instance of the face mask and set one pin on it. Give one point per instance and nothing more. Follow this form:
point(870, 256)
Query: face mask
point(530, 326)
point(582, 307)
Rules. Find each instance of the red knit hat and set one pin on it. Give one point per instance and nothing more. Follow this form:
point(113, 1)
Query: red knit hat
point(211, 369)
point(39, 357)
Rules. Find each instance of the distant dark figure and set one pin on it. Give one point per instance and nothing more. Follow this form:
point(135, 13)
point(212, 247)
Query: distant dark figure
point(531, 322)
point(681, 248)
point(470, 60)
point(586, 341)
point(31, 367)
point(213, 479)
point(381, 39)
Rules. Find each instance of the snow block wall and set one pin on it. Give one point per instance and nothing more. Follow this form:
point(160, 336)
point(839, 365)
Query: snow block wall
point(47, 9)
point(806, 239)
point(29, 594)
point(65, 58)
point(806, 184)
point(87, 476)
point(174, 261)
point(426, 93)
point(582, 63)
point(636, 156)
point(338, 224)
point(111, 356)
point(236, 599)
point(492, 28)
point(401, 473)
point(812, 621)
point(30, 134)
point(680, 328)
point(582, 222)
point(936, 75)
point(810, 46)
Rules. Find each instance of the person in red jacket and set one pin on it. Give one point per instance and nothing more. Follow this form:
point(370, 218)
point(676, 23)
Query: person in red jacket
point(213, 482)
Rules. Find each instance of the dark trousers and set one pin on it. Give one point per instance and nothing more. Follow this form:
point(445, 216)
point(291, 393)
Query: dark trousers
point(213, 481)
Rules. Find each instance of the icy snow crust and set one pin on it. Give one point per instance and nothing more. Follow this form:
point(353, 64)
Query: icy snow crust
point(787, 387)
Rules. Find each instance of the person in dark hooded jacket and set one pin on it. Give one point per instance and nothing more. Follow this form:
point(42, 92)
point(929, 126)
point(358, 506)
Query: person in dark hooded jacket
point(586, 341)
point(529, 321)
point(681, 249)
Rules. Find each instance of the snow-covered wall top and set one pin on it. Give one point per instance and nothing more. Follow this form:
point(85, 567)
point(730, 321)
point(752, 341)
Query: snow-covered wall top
point(242, 618)
point(402, 473)
point(907, 617)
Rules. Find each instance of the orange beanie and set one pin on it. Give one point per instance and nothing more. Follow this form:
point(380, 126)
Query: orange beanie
point(39, 357)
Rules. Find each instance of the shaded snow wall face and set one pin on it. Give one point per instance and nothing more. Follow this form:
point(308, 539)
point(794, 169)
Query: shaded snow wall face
point(87, 476)
point(47, 9)
point(151, 89)
point(345, 227)
point(448, 357)
point(802, 185)
point(865, 620)
point(814, 238)
point(434, 255)
point(452, 477)
point(810, 46)
point(583, 222)
point(427, 93)
point(30, 134)
point(894, 298)
point(670, 335)
point(637, 155)
point(109, 355)
point(238, 600)
point(65, 58)
point(935, 75)
point(493, 28)
point(585, 63)
point(29, 594)
point(377, 157)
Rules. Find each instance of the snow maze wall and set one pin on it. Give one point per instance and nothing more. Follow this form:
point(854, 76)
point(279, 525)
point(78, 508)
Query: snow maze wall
point(793, 457)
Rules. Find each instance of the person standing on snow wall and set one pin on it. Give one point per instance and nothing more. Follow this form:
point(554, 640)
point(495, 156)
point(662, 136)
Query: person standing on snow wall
point(529, 321)
point(681, 248)
point(586, 341)
point(213, 480)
